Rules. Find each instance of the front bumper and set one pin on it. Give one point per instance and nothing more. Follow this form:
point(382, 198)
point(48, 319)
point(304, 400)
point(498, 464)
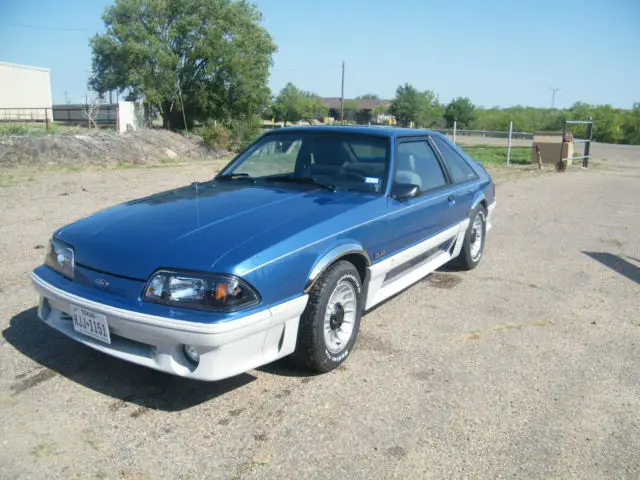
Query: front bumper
point(226, 349)
point(490, 210)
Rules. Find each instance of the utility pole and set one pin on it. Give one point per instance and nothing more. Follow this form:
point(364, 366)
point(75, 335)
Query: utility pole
point(342, 97)
point(66, 97)
point(553, 96)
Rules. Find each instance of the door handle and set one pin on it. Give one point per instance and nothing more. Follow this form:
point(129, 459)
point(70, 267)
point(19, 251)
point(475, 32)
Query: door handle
point(451, 198)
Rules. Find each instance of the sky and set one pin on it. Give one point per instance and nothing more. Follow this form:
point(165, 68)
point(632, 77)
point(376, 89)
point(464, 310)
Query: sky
point(496, 52)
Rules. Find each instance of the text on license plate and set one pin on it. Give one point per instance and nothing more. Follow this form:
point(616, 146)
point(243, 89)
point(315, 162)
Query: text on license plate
point(90, 323)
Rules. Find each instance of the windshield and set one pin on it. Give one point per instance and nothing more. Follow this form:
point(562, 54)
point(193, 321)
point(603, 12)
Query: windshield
point(336, 160)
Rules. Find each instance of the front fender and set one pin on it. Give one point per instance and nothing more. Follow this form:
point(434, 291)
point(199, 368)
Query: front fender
point(327, 259)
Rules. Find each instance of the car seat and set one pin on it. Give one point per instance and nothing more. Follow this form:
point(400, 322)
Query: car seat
point(405, 171)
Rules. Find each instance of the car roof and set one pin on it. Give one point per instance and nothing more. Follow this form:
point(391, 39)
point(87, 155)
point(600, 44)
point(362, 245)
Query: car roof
point(377, 131)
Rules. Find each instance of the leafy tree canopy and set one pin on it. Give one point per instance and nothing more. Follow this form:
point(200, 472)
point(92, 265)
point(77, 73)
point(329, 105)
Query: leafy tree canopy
point(460, 110)
point(206, 58)
point(405, 106)
point(611, 125)
point(413, 107)
point(293, 105)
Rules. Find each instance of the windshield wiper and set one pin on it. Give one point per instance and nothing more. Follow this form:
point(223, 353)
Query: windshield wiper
point(305, 180)
point(234, 176)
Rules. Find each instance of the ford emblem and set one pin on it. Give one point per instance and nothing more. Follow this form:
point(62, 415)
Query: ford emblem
point(101, 282)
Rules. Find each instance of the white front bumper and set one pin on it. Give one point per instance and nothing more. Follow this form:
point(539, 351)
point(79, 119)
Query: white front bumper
point(226, 349)
point(490, 211)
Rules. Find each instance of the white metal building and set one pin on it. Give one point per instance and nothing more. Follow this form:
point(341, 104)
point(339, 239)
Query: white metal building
point(25, 93)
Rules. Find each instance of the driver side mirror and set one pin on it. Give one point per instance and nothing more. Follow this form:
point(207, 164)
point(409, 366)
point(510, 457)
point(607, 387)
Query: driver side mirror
point(404, 191)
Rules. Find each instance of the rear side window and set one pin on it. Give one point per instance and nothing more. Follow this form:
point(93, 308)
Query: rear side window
point(417, 164)
point(460, 170)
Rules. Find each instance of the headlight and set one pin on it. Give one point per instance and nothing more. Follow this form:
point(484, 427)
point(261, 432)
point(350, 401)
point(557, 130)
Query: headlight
point(200, 290)
point(60, 258)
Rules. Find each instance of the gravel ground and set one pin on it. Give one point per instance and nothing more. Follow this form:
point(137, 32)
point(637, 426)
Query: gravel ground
point(527, 367)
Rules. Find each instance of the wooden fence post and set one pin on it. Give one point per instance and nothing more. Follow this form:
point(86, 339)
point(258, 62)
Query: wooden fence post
point(539, 157)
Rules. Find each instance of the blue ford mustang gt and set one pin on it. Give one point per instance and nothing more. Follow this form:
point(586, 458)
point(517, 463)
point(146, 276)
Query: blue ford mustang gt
point(279, 254)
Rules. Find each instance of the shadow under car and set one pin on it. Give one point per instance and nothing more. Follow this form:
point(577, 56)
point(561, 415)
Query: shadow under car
point(105, 374)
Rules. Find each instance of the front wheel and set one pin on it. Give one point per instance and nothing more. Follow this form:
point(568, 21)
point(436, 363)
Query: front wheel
point(474, 238)
point(330, 323)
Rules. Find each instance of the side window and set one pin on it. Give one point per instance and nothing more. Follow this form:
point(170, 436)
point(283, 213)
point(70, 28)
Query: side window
point(459, 168)
point(416, 163)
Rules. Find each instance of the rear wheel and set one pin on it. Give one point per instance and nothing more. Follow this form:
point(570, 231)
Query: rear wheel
point(330, 323)
point(474, 238)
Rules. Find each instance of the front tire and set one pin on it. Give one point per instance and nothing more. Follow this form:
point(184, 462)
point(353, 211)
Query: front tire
point(474, 239)
point(330, 323)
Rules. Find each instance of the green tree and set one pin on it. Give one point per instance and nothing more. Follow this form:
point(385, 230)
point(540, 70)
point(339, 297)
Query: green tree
point(379, 110)
point(631, 126)
point(429, 109)
point(289, 105)
point(406, 105)
point(460, 110)
point(368, 96)
point(292, 105)
point(200, 58)
point(607, 124)
point(314, 107)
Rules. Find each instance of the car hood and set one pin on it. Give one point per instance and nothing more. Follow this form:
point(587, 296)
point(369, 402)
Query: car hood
point(192, 227)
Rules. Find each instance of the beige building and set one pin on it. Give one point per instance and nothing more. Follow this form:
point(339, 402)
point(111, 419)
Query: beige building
point(25, 93)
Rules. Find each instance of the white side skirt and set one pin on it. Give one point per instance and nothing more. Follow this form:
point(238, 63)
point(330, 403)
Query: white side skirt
point(378, 292)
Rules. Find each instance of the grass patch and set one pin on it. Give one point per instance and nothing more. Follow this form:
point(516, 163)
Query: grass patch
point(13, 129)
point(40, 129)
point(9, 179)
point(43, 449)
point(498, 155)
point(169, 162)
point(248, 467)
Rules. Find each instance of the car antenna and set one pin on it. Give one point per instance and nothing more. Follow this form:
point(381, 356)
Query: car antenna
point(195, 185)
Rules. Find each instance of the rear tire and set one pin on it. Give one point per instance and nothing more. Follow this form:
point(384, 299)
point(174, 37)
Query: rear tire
point(329, 325)
point(474, 238)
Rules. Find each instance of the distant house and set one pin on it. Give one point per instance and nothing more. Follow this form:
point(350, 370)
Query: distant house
point(364, 114)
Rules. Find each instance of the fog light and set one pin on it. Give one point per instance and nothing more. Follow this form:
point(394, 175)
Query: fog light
point(192, 354)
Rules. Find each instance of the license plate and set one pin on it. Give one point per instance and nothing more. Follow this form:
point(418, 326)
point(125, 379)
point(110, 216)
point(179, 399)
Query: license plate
point(91, 324)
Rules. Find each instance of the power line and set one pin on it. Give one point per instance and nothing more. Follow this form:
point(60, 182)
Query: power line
point(36, 27)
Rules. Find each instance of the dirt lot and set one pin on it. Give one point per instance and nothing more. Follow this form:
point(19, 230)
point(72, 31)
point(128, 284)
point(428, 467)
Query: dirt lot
point(527, 367)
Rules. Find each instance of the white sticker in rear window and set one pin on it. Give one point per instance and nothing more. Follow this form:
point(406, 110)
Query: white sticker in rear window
point(373, 180)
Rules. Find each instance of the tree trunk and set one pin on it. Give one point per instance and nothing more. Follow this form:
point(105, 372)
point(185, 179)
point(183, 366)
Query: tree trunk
point(166, 115)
